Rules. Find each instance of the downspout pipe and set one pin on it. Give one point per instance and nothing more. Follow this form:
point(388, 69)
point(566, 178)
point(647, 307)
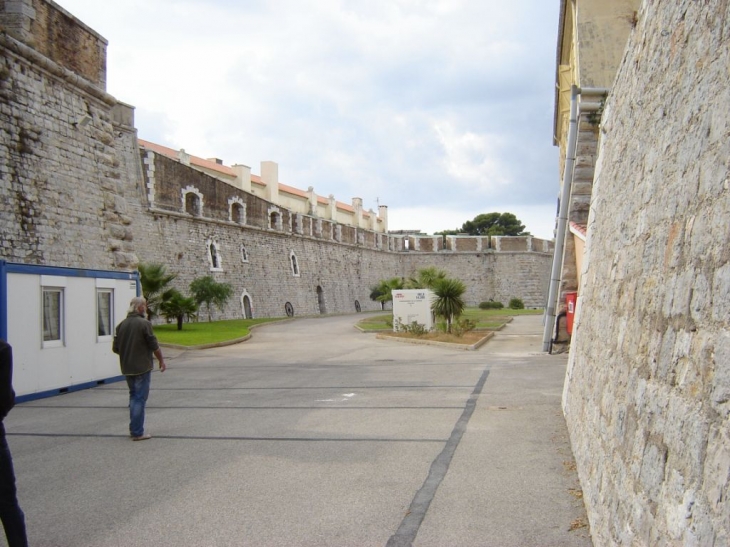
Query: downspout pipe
point(562, 228)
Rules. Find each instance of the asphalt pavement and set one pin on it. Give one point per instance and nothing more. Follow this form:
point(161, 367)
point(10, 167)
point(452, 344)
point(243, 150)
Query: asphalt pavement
point(311, 433)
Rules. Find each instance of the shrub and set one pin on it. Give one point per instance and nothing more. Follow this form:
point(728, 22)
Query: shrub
point(491, 305)
point(462, 325)
point(414, 328)
point(516, 304)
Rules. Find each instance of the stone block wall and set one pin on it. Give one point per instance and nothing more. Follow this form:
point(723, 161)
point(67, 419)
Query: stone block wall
point(647, 396)
point(522, 275)
point(491, 276)
point(58, 36)
point(256, 257)
point(57, 146)
point(264, 272)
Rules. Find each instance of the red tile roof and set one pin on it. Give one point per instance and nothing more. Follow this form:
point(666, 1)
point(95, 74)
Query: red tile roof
point(578, 229)
point(194, 160)
point(212, 165)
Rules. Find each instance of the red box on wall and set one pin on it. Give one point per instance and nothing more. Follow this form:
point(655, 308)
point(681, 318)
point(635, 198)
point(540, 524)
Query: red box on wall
point(570, 301)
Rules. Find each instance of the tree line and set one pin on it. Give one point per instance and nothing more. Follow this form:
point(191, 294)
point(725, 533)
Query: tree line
point(490, 224)
point(171, 304)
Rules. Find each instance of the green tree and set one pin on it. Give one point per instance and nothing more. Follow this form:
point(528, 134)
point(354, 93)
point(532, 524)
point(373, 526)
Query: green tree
point(208, 291)
point(383, 291)
point(154, 280)
point(449, 303)
point(425, 278)
point(178, 307)
point(494, 224)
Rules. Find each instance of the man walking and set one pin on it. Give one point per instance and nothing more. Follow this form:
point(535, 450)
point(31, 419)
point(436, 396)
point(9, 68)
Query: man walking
point(135, 344)
point(10, 512)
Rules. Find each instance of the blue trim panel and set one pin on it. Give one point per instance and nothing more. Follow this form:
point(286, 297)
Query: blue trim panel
point(69, 389)
point(67, 272)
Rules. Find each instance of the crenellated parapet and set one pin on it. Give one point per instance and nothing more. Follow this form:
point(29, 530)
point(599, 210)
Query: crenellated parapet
point(478, 244)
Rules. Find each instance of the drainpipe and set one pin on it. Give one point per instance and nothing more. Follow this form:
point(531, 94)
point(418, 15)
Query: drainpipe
point(570, 151)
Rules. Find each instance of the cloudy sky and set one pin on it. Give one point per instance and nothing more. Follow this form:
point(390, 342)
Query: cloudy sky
point(439, 109)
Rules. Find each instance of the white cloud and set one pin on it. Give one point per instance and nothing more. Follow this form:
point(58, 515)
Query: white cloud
point(429, 105)
point(470, 158)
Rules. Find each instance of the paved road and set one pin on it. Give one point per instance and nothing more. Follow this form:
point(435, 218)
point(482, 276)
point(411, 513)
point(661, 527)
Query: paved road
point(311, 434)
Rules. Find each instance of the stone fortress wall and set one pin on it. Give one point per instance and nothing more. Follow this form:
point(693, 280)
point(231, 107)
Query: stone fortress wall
point(275, 256)
point(78, 191)
point(647, 396)
point(59, 174)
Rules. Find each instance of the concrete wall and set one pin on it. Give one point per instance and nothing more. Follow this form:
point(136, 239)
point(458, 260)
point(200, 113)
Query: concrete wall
point(647, 396)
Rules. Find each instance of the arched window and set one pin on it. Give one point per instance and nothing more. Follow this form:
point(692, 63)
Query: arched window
point(236, 210)
point(192, 201)
point(294, 264)
point(244, 254)
point(214, 255)
point(192, 204)
point(275, 219)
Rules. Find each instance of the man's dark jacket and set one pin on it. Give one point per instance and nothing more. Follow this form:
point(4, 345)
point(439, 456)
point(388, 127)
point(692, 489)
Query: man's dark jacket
point(135, 343)
point(7, 395)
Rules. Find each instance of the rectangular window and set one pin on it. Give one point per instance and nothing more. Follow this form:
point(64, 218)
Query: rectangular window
point(52, 316)
point(104, 312)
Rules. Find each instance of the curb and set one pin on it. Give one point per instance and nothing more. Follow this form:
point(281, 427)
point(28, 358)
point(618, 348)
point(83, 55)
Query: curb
point(224, 342)
point(472, 347)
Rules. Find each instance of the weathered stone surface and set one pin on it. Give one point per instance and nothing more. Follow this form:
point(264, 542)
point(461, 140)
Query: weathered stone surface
point(647, 395)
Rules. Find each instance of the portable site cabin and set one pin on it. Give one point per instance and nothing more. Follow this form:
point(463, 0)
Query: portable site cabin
point(60, 323)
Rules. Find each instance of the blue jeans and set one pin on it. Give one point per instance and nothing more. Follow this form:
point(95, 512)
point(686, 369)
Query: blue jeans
point(139, 390)
point(10, 512)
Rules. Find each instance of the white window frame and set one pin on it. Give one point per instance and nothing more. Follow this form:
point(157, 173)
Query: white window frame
point(110, 314)
point(60, 340)
point(294, 264)
point(214, 244)
point(234, 202)
point(192, 190)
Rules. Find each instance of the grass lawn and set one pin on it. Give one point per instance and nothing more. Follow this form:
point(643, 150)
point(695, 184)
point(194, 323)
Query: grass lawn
point(197, 334)
point(485, 319)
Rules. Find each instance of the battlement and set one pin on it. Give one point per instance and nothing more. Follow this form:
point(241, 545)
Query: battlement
point(478, 244)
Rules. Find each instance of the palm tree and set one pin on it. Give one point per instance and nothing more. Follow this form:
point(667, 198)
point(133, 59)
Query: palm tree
point(426, 278)
point(178, 307)
point(383, 291)
point(449, 303)
point(154, 280)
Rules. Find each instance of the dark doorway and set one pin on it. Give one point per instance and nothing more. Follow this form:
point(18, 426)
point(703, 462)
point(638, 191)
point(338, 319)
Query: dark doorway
point(320, 300)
